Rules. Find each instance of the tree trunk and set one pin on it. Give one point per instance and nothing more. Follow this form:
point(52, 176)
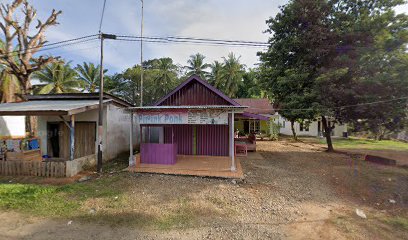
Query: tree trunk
point(292, 126)
point(26, 89)
point(327, 133)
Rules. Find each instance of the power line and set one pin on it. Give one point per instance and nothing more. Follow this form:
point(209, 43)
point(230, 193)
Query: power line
point(187, 41)
point(103, 13)
point(69, 44)
point(51, 44)
point(194, 39)
point(339, 107)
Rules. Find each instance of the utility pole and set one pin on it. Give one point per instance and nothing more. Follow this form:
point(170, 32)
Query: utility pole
point(141, 59)
point(100, 118)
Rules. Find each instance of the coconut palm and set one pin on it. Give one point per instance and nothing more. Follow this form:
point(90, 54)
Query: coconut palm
point(90, 75)
point(232, 74)
point(215, 77)
point(165, 75)
point(197, 66)
point(58, 77)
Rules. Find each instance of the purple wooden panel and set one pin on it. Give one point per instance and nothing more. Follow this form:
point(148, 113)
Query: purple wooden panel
point(213, 140)
point(177, 96)
point(192, 94)
point(183, 136)
point(158, 153)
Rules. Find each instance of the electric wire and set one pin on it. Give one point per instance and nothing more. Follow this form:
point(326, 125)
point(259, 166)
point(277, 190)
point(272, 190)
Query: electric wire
point(78, 39)
point(103, 13)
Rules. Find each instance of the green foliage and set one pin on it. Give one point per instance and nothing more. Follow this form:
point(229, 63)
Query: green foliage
point(289, 66)
point(58, 77)
point(215, 77)
point(160, 76)
point(231, 75)
point(90, 75)
point(328, 54)
point(359, 143)
point(369, 64)
point(274, 130)
point(251, 86)
point(197, 66)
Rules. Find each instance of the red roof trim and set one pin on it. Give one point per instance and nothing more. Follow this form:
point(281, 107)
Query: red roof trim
point(205, 83)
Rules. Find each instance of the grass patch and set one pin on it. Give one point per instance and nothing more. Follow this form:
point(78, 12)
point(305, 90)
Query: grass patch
point(358, 143)
point(37, 200)
point(56, 201)
point(398, 222)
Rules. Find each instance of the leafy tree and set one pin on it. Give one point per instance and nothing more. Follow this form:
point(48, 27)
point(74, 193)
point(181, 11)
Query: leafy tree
point(231, 74)
point(27, 40)
point(368, 64)
point(19, 34)
point(160, 76)
point(164, 73)
point(90, 75)
point(58, 77)
point(289, 66)
point(197, 66)
point(341, 55)
point(251, 86)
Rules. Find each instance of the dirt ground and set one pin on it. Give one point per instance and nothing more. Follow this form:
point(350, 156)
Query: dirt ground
point(291, 191)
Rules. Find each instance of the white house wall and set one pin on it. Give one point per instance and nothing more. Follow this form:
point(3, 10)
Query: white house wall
point(12, 126)
point(313, 128)
point(119, 130)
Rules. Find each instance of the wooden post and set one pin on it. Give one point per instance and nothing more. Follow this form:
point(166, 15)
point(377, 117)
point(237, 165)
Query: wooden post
point(232, 144)
point(131, 157)
point(72, 138)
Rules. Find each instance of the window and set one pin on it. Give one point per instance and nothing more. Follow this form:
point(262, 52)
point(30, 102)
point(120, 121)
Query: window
point(152, 134)
point(254, 126)
point(304, 126)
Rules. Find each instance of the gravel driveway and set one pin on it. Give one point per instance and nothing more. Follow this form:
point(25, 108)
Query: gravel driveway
point(287, 194)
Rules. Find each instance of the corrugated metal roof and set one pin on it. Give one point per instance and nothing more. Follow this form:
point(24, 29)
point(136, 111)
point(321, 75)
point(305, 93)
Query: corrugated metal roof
point(48, 107)
point(78, 96)
point(188, 107)
point(196, 78)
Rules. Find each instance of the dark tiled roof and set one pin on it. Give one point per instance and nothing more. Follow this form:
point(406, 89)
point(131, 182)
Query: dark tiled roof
point(256, 105)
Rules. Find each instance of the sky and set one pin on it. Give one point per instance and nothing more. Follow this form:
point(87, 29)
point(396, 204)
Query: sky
point(226, 19)
point(217, 19)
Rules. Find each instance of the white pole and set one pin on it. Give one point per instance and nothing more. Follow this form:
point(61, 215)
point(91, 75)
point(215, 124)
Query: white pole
point(141, 58)
point(132, 162)
point(232, 145)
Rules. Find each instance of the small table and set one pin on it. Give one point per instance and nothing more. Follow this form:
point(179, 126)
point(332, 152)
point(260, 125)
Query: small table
point(241, 149)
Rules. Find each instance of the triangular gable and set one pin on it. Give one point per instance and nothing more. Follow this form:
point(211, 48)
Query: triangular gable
point(195, 91)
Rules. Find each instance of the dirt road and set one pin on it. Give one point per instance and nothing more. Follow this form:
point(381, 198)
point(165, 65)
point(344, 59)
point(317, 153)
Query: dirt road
point(291, 191)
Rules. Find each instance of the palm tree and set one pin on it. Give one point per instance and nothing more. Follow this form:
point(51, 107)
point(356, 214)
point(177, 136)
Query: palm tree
point(90, 75)
point(215, 77)
point(232, 74)
point(197, 66)
point(165, 76)
point(58, 77)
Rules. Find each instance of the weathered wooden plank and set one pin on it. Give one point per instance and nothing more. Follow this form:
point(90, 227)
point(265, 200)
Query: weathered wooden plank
point(33, 168)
